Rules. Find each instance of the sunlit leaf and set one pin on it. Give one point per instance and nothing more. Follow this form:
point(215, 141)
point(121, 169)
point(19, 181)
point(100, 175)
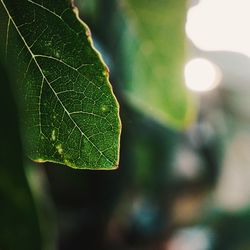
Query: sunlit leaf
point(70, 115)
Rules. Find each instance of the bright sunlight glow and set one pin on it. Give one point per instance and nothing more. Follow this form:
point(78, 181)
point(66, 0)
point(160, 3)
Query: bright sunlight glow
point(220, 25)
point(201, 75)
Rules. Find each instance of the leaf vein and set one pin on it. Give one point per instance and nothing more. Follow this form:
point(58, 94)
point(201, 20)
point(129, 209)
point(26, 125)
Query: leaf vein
point(48, 83)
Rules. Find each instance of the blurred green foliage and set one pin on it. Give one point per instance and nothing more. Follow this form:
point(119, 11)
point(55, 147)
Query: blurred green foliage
point(155, 82)
point(19, 224)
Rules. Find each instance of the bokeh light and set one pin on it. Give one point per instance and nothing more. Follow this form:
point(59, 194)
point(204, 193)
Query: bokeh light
point(220, 25)
point(201, 75)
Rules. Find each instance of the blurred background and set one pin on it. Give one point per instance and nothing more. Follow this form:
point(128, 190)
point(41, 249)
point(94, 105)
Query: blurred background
point(180, 70)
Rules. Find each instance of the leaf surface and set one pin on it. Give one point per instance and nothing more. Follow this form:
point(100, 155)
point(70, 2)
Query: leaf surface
point(155, 52)
point(69, 113)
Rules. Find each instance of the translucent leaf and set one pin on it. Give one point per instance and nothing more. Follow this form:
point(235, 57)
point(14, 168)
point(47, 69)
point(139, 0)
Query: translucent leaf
point(69, 113)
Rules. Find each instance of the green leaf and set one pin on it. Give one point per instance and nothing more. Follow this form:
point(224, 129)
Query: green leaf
point(69, 113)
point(154, 44)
